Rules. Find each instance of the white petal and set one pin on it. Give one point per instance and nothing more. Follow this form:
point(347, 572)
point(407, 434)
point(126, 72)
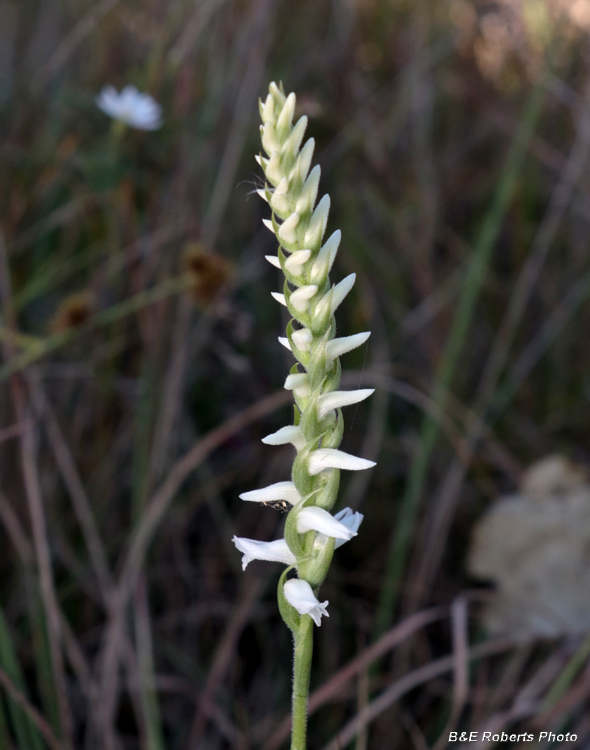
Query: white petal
point(325, 260)
point(318, 519)
point(258, 159)
point(279, 200)
point(270, 142)
point(268, 224)
point(279, 491)
point(296, 260)
point(297, 380)
point(302, 339)
point(300, 595)
point(349, 518)
point(338, 399)
point(277, 94)
point(330, 458)
point(338, 347)
point(288, 227)
point(280, 298)
point(337, 294)
point(303, 163)
point(273, 260)
point(317, 223)
point(309, 192)
point(300, 297)
point(252, 549)
point(262, 194)
point(273, 168)
point(268, 109)
point(293, 141)
point(285, 342)
point(290, 434)
point(285, 119)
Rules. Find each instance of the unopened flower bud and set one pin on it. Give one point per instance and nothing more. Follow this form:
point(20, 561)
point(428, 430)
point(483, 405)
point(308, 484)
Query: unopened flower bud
point(300, 297)
point(302, 339)
point(296, 260)
point(287, 229)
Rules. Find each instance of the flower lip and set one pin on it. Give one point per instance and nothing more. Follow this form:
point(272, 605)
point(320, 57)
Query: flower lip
point(130, 106)
point(299, 594)
point(349, 518)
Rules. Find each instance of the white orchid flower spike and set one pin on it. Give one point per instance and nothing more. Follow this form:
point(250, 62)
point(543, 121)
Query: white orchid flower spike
point(305, 256)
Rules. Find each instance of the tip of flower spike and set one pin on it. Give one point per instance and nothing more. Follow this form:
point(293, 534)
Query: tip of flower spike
point(273, 260)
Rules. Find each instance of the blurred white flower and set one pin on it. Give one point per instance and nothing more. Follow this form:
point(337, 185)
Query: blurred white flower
point(139, 110)
point(300, 595)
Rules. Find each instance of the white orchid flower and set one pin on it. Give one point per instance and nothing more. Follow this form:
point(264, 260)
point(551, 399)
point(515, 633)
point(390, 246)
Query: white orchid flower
point(313, 518)
point(299, 594)
point(279, 491)
point(289, 434)
point(252, 549)
point(330, 458)
point(130, 106)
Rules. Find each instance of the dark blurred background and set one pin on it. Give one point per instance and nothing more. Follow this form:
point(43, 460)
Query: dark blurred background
point(140, 367)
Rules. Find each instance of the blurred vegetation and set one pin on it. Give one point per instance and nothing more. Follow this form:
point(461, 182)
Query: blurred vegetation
point(140, 366)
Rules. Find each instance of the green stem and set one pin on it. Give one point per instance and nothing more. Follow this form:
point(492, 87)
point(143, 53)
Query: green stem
point(301, 669)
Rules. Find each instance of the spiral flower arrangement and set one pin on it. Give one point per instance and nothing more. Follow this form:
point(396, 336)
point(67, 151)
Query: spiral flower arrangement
point(311, 533)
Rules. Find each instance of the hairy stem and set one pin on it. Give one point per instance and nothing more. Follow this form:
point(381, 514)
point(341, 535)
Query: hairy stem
point(303, 639)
